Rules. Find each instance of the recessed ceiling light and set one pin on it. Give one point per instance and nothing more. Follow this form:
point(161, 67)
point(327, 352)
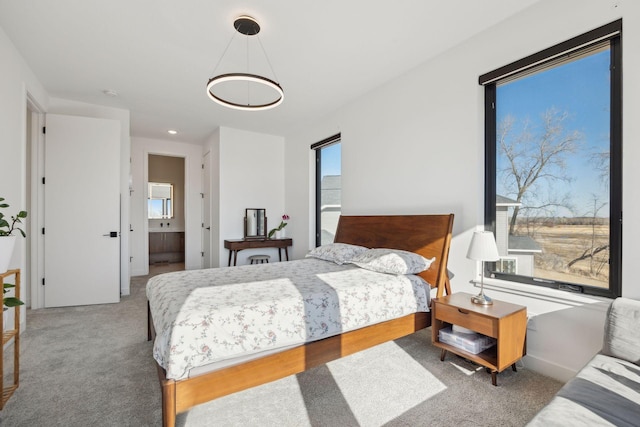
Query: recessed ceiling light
point(173, 131)
point(110, 92)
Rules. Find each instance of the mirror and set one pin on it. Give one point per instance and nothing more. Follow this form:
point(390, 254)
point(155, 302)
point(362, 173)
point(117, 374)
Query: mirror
point(255, 224)
point(160, 202)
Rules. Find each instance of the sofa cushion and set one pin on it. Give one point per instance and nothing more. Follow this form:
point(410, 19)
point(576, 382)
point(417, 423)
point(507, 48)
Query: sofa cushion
point(605, 392)
point(622, 331)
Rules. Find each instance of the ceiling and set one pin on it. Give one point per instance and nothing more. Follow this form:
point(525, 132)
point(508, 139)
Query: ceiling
point(158, 55)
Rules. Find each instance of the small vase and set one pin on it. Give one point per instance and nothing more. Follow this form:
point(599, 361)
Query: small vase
point(280, 234)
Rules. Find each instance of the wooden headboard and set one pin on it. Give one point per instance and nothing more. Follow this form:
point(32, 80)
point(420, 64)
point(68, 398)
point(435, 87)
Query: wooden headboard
point(427, 235)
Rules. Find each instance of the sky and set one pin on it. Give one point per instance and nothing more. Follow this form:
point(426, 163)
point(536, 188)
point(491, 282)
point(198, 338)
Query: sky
point(582, 89)
point(331, 160)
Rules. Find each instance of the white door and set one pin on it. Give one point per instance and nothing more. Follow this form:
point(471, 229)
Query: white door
point(82, 211)
point(206, 212)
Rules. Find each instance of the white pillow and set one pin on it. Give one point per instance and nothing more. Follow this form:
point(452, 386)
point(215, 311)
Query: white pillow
point(340, 253)
point(393, 261)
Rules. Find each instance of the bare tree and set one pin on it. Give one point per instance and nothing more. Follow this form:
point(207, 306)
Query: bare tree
point(594, 248)
point(535, 155)
point(601, 161)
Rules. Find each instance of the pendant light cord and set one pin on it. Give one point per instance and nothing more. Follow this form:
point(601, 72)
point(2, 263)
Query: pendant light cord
point(224, 53)
point(275, 77)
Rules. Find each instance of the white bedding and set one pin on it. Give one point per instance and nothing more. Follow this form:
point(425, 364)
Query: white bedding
point(206, 316)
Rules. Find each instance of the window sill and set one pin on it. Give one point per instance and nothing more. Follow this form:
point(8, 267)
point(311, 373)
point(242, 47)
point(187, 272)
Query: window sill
point(538, 299)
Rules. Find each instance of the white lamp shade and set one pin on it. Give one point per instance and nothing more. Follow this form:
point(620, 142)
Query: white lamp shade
point(483, 247)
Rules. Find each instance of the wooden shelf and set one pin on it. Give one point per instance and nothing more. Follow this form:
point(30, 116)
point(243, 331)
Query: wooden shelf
point(7, 335)
point(7, 391)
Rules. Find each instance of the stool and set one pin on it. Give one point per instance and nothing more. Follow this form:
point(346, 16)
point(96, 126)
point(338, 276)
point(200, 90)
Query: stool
point(259, 259)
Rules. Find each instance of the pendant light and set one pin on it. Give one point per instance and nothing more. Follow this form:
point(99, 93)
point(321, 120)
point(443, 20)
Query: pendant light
point(236, 90)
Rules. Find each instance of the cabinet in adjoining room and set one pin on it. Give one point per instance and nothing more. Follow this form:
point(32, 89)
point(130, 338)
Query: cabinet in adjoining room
point(166, 209)
point(166, 247)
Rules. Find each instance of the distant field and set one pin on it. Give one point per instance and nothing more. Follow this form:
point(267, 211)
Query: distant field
point(563, 243)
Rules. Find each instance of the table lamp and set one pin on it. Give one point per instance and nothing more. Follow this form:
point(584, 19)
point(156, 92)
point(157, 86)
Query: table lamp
point(483, 248)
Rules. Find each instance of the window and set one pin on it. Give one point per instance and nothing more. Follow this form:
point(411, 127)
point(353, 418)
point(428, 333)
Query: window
point(553, 125)
point(160, 204)
point(328, 188)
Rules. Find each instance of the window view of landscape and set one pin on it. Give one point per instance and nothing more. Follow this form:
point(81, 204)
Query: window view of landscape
point(330, 192)
point(553, 171)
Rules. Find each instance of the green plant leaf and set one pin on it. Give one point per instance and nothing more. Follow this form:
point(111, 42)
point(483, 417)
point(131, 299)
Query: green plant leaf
point(12, 302)
point(6, 227)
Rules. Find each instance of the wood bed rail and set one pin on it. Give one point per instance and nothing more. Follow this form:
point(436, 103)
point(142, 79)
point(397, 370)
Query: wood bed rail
point(181, 395)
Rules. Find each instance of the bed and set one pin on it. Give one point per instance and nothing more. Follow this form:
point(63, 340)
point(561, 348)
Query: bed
point(204, 377)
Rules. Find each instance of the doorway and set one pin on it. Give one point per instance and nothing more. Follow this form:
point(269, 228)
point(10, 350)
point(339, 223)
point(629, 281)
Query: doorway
point(82, 205)
point(34, 294)
point(166, 212)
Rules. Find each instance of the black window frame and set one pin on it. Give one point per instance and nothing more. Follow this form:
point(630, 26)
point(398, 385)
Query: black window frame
point(613, 33)
point(318, 146)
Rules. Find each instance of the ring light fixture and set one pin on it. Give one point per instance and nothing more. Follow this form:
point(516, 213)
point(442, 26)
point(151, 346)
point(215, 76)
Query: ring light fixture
point(249, 27)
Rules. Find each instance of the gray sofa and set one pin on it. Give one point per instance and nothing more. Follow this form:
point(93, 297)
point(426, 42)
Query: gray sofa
point(607, 390)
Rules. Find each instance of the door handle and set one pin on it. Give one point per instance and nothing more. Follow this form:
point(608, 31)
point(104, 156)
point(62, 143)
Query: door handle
point(111, 234)
point(208, 228)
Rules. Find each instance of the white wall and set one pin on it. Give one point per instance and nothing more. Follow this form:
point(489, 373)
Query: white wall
point(17, 81)
point(248, 173)
point(415, 145)
point(192, 153)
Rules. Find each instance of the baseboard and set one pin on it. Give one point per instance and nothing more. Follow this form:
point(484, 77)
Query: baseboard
point(139, 272)
point(548, 369)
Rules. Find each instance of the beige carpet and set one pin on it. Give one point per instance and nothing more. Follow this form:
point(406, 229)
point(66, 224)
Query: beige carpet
point(92, 366)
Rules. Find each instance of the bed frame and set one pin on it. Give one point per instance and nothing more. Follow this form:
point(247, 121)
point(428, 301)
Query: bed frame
point(428, 235)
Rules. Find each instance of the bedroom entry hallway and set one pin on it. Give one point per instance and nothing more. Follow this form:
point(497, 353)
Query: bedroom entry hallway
point(166, 211)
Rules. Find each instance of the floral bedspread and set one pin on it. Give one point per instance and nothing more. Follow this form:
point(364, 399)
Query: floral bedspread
point(206, 316)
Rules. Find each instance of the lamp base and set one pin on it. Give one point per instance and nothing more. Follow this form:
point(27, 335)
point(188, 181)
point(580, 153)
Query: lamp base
point(481, 299)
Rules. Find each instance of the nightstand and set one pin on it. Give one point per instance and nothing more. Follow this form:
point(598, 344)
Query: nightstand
point(505, 322)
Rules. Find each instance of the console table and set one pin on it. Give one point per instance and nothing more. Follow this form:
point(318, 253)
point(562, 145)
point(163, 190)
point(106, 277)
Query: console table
point(237, 245)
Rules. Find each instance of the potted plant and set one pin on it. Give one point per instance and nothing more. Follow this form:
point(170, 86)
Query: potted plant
point(279, 228)
point(7, 238)
point(10, 301)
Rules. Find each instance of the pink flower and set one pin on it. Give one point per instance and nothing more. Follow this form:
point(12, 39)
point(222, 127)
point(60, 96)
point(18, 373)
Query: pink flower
point(282, 225)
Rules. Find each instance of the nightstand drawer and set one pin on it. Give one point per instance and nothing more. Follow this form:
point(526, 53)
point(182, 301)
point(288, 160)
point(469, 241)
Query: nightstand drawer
point(467, 319)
